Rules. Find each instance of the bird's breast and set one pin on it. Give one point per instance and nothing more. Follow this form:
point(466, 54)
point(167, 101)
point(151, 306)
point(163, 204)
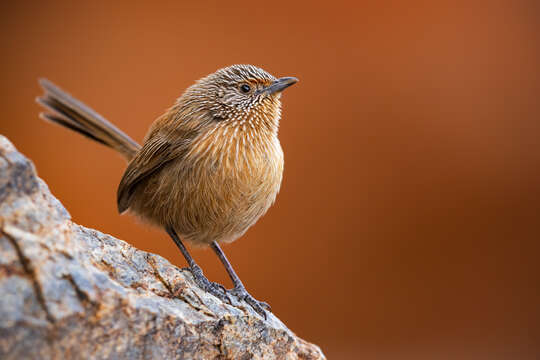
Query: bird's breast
point(233, 178)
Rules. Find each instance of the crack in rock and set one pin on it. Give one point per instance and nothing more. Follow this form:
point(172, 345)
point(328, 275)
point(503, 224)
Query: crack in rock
point(31, 273)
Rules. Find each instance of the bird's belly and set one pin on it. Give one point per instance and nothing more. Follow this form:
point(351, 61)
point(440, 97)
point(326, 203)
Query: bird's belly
point(215, 202)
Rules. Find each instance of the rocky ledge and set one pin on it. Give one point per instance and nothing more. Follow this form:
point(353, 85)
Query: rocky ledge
point(69, 292)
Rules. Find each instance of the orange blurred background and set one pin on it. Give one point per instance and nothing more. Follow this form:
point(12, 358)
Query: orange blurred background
point(407, 226)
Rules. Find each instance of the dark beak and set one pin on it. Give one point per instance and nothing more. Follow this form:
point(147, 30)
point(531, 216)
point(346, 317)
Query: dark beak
point(280, 84)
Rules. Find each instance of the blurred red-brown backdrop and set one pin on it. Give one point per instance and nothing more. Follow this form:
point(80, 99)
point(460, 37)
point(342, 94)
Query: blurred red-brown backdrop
point(408, 221)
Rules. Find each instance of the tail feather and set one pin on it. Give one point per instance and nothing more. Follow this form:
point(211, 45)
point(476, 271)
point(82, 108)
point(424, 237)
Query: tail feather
point(68, 124)
point(64, 120)
point(73, 114)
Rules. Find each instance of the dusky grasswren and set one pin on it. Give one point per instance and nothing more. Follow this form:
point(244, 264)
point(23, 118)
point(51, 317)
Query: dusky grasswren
point(209, 167)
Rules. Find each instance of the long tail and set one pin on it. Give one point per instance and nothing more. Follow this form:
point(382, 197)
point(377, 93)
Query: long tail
point(73, 114)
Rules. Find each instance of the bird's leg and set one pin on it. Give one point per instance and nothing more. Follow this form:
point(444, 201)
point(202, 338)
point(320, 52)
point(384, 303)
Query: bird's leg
point(211, 287)
point(239, 290)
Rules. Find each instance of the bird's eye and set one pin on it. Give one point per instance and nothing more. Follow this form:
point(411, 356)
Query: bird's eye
point(245, 88)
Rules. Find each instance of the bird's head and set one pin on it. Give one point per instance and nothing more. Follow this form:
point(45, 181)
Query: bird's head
point(237, 95)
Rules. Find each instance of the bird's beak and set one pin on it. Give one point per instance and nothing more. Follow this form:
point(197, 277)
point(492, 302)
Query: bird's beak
point(280, 84)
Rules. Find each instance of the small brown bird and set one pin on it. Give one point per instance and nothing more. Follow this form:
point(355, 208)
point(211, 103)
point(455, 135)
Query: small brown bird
point(209, 167)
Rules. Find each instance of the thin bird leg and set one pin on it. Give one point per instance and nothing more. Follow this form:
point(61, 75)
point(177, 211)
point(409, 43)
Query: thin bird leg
point(239, 289)
point(211, 287)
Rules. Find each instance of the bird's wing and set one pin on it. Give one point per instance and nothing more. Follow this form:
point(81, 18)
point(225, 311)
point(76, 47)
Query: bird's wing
point(168, 139)
point(155, 154)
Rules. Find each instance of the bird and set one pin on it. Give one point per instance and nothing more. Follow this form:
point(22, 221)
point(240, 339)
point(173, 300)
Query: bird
point(208, 168)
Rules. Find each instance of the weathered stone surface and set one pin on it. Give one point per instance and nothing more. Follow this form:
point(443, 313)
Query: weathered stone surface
point(69, 292)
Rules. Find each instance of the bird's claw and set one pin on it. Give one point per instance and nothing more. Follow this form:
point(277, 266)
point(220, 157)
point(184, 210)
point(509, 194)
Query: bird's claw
point(213, 288)
point(259, 306)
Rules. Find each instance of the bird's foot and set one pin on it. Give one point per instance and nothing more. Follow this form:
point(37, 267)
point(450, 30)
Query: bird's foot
point(241, 293)
point(210, 287)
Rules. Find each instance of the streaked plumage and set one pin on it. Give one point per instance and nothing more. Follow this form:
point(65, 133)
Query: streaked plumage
point(221, 162)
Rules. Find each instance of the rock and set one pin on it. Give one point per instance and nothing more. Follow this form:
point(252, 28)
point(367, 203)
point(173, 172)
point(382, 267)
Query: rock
point(69, 292)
